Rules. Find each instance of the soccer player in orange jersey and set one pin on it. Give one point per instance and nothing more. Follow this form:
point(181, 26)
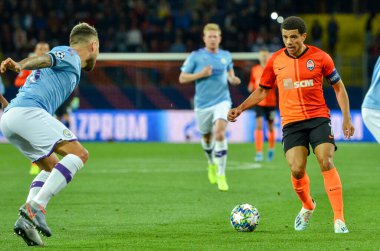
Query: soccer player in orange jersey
point(266, 108)
point(40, 49)
point(298, 69)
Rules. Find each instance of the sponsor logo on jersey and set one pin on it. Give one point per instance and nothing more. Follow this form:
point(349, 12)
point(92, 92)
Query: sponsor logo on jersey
point(310, 64)
point(36, 75)
point(289, 84)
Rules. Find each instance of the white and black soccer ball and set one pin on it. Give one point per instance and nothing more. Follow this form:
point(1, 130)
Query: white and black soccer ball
point(244, 217)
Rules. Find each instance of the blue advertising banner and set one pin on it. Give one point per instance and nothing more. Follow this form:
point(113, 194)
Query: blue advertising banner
point(179, 126)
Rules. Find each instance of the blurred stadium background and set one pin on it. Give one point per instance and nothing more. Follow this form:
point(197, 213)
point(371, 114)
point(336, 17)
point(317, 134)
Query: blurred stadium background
point(130, 77)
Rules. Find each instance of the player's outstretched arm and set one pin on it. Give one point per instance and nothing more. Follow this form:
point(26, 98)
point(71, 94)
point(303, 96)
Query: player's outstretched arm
point(344, 104)
point(255, 97)
point(31, 63)
point(37, 62)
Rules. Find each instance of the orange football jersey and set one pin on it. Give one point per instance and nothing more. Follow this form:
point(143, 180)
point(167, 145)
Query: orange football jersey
point(299, 81)
point(21, 77)
point(254, 81)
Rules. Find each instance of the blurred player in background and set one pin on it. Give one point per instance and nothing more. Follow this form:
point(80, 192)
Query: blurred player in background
point(40, 49)
point(28, 123)
point(371, 104)
point(63, 112)
point(266, 108)
point(211, 68)
point(298, 70)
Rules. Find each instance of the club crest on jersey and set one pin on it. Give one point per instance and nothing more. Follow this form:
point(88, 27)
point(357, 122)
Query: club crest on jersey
point(310, 64)
point(60, 55)
point(67, 133)
point(223, 61)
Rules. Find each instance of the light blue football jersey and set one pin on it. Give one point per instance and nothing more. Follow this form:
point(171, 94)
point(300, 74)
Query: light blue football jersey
point(372, 98)
point(213, 89)
point(48, 88)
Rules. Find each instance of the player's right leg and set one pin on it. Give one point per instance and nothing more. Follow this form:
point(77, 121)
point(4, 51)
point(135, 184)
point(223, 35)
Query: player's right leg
point(297, 159)
point(204, 122)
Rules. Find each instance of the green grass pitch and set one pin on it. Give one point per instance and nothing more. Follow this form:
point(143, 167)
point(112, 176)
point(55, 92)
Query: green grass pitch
point(150, 196)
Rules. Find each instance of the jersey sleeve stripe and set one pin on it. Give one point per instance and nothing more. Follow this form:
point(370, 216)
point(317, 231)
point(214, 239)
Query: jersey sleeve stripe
point(53, 60)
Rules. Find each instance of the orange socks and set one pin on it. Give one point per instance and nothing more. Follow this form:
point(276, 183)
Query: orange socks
point(271, 139)
point(259, 140)
point(333, 188)
point(302, 188)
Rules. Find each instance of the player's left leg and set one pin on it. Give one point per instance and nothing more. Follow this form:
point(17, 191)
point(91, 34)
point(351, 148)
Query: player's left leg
point(208, 147)
point(203, 119)
point(221, 148)
point(333, 186)
point(323, 143)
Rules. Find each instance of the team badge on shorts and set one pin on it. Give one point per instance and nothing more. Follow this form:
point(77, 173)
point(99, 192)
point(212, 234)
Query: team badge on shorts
point(310, 64)
point(67, 133)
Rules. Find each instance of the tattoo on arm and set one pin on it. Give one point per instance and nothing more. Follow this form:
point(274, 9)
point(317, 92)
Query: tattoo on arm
point(36, 62)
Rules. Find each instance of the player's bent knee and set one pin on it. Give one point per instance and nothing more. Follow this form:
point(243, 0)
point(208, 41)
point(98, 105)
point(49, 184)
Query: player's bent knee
point(326, 163)
point(84, 155)
point(219, 135)
point(297, 168)
point(298, 173)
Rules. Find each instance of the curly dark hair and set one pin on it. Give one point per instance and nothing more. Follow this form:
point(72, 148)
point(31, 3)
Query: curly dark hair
point(293, 23)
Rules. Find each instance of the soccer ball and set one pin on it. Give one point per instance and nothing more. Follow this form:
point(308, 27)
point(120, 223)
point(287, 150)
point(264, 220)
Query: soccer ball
point(244, 217)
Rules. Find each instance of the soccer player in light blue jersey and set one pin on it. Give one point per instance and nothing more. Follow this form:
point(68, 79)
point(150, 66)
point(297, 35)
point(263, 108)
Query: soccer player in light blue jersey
point(211, 68)
point(371, 104)
point(28, 123)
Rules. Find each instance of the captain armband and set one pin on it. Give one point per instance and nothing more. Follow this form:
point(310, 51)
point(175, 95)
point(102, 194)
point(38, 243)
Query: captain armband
point(333, 77)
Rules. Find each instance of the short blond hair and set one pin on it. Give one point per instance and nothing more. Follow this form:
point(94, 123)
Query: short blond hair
point(83, 32)
point(212, 27)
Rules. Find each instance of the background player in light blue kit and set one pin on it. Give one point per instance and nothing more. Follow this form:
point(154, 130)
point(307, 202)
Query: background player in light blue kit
point(371, 104)
point(211, 68)
point(28, 123)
